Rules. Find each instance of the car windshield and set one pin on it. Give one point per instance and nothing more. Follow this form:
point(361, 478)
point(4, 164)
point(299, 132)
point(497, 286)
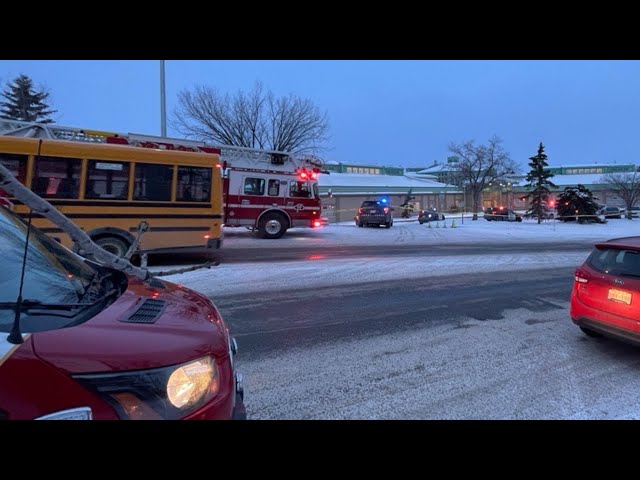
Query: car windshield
point(615, 261)
point(53, 274)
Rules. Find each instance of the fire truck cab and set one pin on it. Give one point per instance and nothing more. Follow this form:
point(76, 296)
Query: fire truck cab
point(270, 192)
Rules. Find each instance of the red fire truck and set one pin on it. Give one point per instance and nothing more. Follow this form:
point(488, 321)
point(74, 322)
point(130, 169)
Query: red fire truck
point(264, 191)
point(270, 191)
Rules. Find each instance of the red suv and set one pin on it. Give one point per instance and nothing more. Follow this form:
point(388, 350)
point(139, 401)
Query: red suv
point(89, 342)
point(606, 292)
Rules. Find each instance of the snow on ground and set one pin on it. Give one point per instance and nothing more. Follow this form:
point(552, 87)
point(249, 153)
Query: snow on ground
point(248, 278)
point(412, 233)
point(316, 271)
point(526, 365)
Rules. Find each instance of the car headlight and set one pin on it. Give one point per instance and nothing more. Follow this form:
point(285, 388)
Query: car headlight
point(189, 383)
point(162, 393)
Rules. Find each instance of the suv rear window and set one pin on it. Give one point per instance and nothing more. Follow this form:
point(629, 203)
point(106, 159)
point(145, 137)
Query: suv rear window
point(615, 262)
point(370, 203)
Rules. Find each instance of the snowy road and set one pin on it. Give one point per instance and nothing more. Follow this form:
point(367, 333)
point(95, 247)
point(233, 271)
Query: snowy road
point(460, 323)
point(481, 346)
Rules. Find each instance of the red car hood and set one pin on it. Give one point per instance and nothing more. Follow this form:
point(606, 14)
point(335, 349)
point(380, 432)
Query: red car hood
point(188, 327)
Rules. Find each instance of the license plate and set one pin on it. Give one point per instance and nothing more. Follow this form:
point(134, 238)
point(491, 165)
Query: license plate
point(372, 211)
point(619, 296)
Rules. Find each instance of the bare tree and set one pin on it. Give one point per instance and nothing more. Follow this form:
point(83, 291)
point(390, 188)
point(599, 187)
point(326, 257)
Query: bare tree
point(626, 186)
point(480, 165)
point(256, 119)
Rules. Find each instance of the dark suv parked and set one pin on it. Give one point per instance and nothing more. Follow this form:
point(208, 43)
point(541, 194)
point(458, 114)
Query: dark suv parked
point(373, 212)
point(429, 216)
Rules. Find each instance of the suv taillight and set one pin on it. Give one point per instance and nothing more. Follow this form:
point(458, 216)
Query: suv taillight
point(581, 276)
point(359, 210)
point(386, 209)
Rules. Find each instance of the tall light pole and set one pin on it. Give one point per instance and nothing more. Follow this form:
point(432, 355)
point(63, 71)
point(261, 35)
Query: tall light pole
point(464, 200)
point(163, 102)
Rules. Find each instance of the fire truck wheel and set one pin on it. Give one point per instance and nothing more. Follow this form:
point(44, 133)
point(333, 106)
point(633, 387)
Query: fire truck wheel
point(272, 225)
point(113, 245)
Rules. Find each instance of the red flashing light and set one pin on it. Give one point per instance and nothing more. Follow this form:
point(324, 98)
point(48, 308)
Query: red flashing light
point(207, 237)
point(155, 295)
point(314, 176)
point(316, 223)
point(304, 175)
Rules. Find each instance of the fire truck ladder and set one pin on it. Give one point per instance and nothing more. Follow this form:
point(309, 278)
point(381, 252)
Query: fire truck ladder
point(17, 128)
point(239, 156)
point(233, 155)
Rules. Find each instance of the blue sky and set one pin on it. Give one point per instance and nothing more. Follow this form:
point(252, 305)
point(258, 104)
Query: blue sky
point(385, 112)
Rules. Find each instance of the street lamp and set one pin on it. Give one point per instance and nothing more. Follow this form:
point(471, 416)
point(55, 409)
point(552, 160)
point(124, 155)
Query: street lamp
point(163, 102)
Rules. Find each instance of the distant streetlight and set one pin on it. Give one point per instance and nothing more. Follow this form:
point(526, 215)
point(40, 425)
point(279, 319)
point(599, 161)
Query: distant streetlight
point(163, 102)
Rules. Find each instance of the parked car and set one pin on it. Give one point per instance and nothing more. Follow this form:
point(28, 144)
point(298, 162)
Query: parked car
point(95, 343)
point(635, 212)
point(430, 216)
point(548, 213)
point(606, 291)
point(374, 212)
point(612, 212)
point(501, 214)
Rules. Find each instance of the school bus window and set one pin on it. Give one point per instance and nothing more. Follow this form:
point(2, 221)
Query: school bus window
point(56, 177)
point(107, 180)
point(274, 188)
point(194, 184)
point(16, 164)
point(254, 186)
point(152, 182)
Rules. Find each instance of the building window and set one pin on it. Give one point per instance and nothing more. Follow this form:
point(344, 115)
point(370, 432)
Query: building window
point(349, 169)
point(152, 182)
point(107, 180)
point(194, 184)
point(56, 177)
point(254, 186)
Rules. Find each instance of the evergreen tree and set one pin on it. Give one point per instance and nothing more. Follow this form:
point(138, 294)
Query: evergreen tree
point(539, 183)
point(24, 103)
point(576, 202)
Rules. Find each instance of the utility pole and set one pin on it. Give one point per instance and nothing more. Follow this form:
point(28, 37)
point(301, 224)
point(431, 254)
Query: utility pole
point(163, 102)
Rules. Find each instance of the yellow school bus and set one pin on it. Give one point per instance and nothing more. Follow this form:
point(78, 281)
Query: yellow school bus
point(107, 190)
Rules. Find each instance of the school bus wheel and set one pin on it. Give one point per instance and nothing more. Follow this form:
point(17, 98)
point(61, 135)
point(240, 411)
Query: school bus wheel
point(113, 245)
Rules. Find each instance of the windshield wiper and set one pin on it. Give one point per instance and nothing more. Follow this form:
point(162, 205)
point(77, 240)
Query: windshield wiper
point(29, 304)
